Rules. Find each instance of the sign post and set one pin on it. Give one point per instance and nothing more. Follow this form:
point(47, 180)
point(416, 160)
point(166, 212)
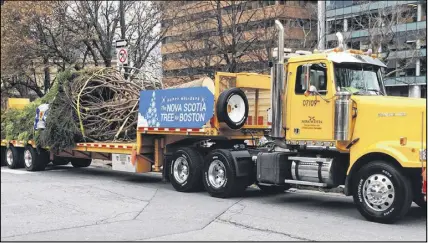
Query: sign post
point(122, 54)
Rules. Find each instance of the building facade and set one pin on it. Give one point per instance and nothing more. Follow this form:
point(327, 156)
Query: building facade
point(203, 37)
point(396, 30)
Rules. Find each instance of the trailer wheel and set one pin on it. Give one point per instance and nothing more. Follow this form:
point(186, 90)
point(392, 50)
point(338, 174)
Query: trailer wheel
point(80, 163)
point(186, 170)
point(382, 193)
point(60, 161)
point(220, 175)
point(232, 108)
point(13, 157)
point(32, 160)
point(3, 156)
point(273, 189)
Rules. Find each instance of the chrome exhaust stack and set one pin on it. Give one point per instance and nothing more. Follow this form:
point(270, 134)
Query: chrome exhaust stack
point(277, 87)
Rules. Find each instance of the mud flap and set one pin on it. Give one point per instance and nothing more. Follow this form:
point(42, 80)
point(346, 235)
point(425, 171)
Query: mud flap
point(243, 163)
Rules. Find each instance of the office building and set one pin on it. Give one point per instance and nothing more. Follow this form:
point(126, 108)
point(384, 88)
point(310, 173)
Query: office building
point(197, 44)
point(394, 29)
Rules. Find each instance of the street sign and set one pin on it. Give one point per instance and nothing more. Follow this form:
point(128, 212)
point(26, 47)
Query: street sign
point(121, 43)
point(122, 55)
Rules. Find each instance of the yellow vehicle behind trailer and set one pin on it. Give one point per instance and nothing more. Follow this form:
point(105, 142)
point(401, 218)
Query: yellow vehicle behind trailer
point(320, 119)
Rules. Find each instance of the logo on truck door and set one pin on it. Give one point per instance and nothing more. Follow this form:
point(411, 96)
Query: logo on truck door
point(311, 123)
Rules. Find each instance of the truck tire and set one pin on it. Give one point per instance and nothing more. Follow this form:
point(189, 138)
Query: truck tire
point(274, 189)
point(32, 160)
point(3, 156)
point(60, 161)
point(80, 163)
point(14, 157)
point(381, 192)
point(185, 170)
point(232, 108)
point(220, 175)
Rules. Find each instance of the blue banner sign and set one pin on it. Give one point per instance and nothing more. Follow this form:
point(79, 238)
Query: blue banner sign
point(175, 108)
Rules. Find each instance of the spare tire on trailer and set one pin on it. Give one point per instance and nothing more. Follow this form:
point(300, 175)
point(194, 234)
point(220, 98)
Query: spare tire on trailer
point(232, 108)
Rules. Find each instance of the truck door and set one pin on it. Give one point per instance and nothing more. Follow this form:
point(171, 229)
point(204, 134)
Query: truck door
point(310, 116)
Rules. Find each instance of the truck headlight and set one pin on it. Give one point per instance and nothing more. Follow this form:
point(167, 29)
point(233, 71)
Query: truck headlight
point(423, 155)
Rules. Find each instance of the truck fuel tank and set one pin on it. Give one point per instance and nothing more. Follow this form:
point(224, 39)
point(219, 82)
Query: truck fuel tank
point(328, 171)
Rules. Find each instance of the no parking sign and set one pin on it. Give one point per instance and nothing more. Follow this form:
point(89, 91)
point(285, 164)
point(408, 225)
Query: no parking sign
point(122, 55)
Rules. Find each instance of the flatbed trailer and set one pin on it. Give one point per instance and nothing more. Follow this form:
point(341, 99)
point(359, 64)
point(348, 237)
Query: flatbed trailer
point(149, 151)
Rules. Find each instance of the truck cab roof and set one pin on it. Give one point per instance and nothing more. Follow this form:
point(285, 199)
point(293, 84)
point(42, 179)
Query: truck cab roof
point(349, 56)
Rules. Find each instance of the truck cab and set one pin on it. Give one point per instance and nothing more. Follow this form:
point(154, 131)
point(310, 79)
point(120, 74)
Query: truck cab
point(335, 125)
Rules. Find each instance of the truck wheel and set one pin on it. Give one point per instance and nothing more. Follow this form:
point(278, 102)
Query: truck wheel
point(232, 108)
point(3, 156)
point(186, 170)
point(273, 189)
point(220, 175)
point(13, 157)
point(60, 161)
point(80, 163)
point(32, 160)
point(381, 192)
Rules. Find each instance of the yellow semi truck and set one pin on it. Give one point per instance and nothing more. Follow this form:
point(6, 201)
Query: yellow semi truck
point(320, 119)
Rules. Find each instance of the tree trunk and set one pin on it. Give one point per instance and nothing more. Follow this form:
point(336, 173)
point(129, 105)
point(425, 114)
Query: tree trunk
point(202, 82)
point(47, 81)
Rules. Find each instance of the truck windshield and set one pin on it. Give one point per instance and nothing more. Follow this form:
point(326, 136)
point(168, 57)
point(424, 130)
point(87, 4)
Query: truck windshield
point(359, 79)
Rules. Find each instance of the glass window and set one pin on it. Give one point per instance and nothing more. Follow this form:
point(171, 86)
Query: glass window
point(318, 78)
point(339, 25)
point(423, 66)
point(410, 72)
point(358, 79)
point(330, 27)
point(424, 11)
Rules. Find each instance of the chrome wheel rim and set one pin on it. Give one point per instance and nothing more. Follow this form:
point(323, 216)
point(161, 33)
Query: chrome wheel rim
point(181, 170)
point(378, 192)
point(217, 174)
point(28, 159)
point(9, 157)
point(236, 108)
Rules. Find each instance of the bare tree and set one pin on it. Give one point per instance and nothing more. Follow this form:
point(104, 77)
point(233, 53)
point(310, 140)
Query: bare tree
point(308, 26)
point(232, 35)
point(44, 36)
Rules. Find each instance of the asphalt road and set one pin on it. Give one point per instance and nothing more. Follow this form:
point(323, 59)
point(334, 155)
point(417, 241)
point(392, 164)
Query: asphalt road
point(64, 203)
